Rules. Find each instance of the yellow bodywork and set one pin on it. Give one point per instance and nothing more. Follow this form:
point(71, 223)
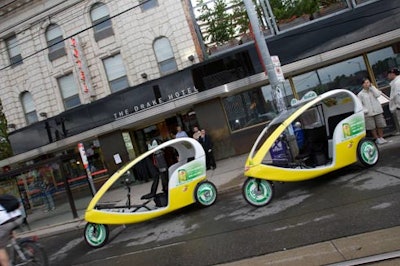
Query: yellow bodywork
point(346, 155)
point(344, 152)
point(180, 194)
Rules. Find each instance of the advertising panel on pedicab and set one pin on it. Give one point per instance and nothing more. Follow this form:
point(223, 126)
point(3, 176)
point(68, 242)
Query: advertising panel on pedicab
point(353, 126)
point(189, 172)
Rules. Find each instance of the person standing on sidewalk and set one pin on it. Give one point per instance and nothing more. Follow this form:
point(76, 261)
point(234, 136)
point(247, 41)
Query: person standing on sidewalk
point(207, 144)
point(373, 111)
point(394, 102)
point(180, 133)
point(196, 133)
point(46, 189)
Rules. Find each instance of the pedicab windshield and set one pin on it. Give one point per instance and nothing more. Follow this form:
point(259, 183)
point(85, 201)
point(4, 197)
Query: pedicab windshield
point(273, 125)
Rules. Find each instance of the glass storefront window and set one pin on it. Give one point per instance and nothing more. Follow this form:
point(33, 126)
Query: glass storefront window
point(383, 60)
point(247, 109)
point(343, 75)
point(286, 93)
point(50, 175)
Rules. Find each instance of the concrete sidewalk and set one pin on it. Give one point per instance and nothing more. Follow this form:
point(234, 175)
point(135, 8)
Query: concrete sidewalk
point(352, 250)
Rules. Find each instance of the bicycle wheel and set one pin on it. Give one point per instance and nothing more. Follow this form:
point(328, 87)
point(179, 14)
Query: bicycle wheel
point(205, 194)
point(257, 192)
point(96, 235)
point(33, 252)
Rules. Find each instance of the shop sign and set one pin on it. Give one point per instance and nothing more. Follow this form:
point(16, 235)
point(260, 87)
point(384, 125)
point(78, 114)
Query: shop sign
point(155, 102)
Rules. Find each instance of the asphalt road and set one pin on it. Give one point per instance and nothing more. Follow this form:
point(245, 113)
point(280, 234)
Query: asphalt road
point(351, 201)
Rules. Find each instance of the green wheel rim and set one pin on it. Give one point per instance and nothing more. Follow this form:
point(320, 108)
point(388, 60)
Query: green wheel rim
point(206, 194)
point(369, 152)
point(96, 234)
point(258, 192)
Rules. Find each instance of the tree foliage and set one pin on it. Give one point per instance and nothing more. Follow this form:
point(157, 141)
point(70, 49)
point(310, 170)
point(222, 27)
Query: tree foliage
point(286, 9)
point(220, 27)
point(223, 20)
point(5, 147)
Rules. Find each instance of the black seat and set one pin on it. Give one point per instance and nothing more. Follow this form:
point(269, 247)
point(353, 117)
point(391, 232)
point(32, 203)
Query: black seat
point(315, 146)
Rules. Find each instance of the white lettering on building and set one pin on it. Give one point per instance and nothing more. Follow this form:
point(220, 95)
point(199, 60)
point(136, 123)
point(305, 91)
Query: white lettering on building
point(154, 102)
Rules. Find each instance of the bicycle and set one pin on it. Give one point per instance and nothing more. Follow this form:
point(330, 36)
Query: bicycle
point(26, 251)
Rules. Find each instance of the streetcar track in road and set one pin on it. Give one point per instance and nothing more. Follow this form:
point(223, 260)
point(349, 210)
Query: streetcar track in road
point(112, 258)
point(381, 172)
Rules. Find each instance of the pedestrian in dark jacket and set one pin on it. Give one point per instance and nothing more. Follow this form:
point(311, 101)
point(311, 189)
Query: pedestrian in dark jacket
point(207, 144)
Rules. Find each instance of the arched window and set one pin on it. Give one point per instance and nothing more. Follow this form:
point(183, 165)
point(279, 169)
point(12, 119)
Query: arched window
point(55, 42)
point(29, 107)
point(101, 21)
point(164, 55)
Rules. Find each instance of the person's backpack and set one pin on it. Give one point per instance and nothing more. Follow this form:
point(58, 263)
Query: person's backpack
point(9, 202)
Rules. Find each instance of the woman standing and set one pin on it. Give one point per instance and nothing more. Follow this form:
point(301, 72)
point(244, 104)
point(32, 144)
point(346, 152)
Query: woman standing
point(373, 111)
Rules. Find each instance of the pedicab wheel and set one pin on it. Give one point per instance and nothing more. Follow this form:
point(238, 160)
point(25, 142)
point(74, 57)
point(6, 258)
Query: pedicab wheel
point(257, 192)
point(205, 193)
point(96, 235)
point(367, 152)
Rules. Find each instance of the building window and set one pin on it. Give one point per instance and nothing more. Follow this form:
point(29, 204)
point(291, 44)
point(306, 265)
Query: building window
point(14, 52)
point(343, 75)
point(382, 60)
point(248, 108)
point(147, 4)
point(69, 91)
point(164, 55)
point(29, 108)
point(116, 73)
point(55, 42)
point(101, 21)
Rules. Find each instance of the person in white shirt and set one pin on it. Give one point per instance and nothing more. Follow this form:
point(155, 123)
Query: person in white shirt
point(8, 221)
point(394, 102)
point(373, 111)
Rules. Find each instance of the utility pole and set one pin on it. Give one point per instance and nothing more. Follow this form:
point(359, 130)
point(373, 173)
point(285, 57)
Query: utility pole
point(266, 60)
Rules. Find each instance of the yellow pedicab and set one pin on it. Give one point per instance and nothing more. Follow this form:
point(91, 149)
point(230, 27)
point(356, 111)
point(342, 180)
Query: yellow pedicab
point(315, 136)
point(187, 184)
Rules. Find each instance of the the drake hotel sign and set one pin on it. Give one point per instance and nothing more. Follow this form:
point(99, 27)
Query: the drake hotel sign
point(155, 102)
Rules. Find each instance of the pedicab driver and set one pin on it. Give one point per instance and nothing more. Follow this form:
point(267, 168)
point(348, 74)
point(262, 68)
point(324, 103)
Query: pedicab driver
point(8, 221)
point(162, 168)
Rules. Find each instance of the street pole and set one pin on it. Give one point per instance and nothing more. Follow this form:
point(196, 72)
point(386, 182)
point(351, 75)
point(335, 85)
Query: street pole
point(265, 59)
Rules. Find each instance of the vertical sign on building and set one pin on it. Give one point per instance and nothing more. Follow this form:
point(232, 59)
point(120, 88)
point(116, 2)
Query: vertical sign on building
point(81, 67)
point(85, 162)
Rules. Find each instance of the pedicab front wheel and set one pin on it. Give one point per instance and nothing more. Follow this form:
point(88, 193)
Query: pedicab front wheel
point(367, 152)
point(205, 194)
point(96, 235)
point(258, 192)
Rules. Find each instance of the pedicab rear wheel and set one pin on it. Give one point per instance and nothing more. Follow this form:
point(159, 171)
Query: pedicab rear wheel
point(257, 192)
point(367, 152)
point(205, 194)
point(96, 235)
